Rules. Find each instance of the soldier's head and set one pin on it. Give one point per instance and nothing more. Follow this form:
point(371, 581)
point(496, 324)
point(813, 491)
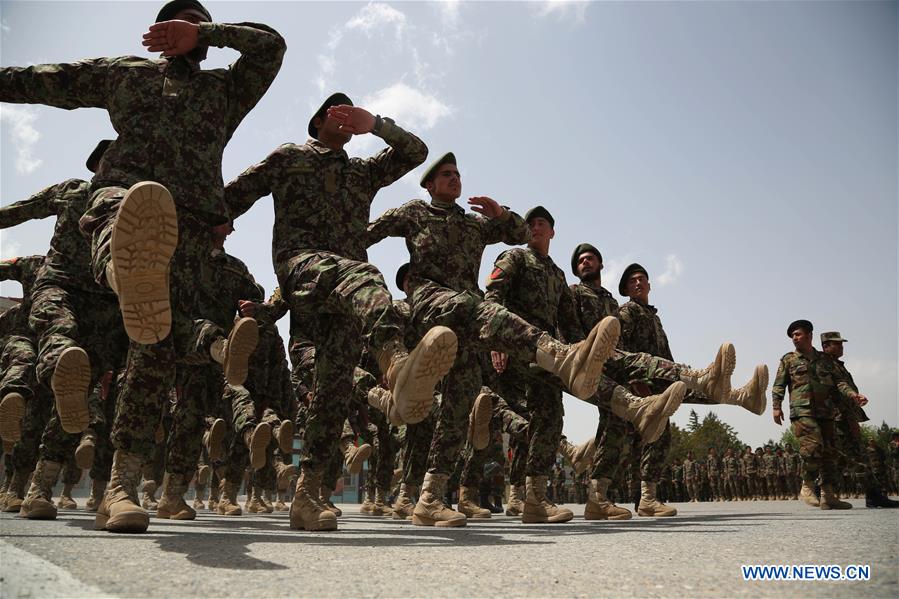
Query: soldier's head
point(768, 449)
point(586, 264)
point(93, 161)
point(402, 278)
point(443, 180)
point(690, 455)
point(758, 450)
point(729, 451)
point(192, 12)
point(800, 332)
point(712, 451)
point(326, 129)
point(789, 448)
point(748, 449)
point(634, 284)
point(832, 344)
point(780, 451)
point(542, 226)
point(220, 233)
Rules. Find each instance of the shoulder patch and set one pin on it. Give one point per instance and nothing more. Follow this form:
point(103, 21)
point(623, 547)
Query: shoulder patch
point(497, 273)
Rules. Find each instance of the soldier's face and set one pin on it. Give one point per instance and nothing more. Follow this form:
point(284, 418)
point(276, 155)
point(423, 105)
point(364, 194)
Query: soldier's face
point(802, 339)
point(834, 349)
point(589, 267)
point(446, 185)
point(329, 132)
point(541, 230)
point(638, 287)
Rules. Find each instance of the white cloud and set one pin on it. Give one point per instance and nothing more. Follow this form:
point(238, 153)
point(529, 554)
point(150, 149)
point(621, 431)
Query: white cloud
point(562, 10)
point(449, 10)
point(4, 27)
point(412, 107)
point(673, 269)
point(23, 134)
point(377, 15)
point(8, 248)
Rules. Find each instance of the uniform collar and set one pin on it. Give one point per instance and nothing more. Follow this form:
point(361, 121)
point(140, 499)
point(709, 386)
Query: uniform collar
point(323, 150)
point(447, 207)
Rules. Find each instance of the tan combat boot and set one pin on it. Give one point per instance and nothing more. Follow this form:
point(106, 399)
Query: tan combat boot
point(255, 504)
point(144, 238)
point(468, 504)
point(172, 505)
point(568, 452)
point(148, 495)
point(84, 453)
point(354, 457)
point(284, 472)
point(306, 511)
point(380, 507)
point(266, 497)
point(285, 436)
point(98, 487)
point(411, 377)
point(71, 383)
point(227, 504)
point(403, 504)
point(234, 353)
point(281, 504)
point(538, 509)
point(752, 395)
point(4, 488)
point(65, 500)
point(580, 365)
point(649, 505)
point(382, 399)
point(367, 507)
point(430, 509)
point(515, 505)
point(214, 492)
point(807, 494)
point(830, 499)
point(649, 415)
point(38, 503)
point(199, 496)
point(119, 510)
point(598, 505)
point(583, 455)
point(15, 495)
point(325, 499)
point(12, 410)
point(479, 421)
point(714, 380)
point(257, 440)
point(213, 439)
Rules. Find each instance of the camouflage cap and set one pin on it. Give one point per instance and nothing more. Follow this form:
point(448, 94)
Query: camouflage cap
point(401, 275)
point(799, 324)
point(335, 99)
point(448, 158)
point(832, 336)
point(93, 161)
point(541, 212)
point(168, 12)
point(622, 284)
point(581, 249)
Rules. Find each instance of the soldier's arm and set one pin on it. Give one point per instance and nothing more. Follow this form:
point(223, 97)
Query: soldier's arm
point(844, 384)
point(406, 152)
point(40, 205)
point(11, 270)
point(254, 183)
point(781, 382)
point(272, 311)
point(509, 227)
point(393, 223)
point(261, 53)
point(628, 327)
point(506, 270)
point(69, 85)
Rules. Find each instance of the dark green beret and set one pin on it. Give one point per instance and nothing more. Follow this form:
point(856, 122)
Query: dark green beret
point(401, 275)
point(335, 99)
point(93, 161)
point(584, 247)
point(448, 158)
point(168, 12)
point(541, 212)
point(799, 324)
point(622, 284)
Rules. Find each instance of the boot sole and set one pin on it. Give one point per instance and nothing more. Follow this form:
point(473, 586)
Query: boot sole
point(128, 522)
point(481, 413)
point(322, 524)
point(216, 438)
point(545, 520)
point(144, 239)
point(12, 508)
point(45, 513)
point(363, 452)
point(285, 437)
point(648, 514)
point(12, 410)
point(262, 436)
point(70, 383)
point(242, 342)
point(761, 400)
point(431, 360)
point(604, 342)
point(425, 521)
point(84, 456)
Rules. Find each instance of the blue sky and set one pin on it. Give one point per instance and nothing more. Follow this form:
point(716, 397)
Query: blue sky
point(744, 153)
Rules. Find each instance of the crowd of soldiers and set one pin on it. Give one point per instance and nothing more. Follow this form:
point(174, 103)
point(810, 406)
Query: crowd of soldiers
point(143, 351)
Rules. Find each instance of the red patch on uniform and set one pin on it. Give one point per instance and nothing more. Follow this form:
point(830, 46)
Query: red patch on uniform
point(497, 272)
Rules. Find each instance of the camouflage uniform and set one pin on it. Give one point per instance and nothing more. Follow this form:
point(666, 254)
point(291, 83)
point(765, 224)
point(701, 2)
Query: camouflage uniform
point(769, 471)
point(793, 471)
point(750, 471)
point(690, 472)
point(731, 483)
point(851, 447)
point(19, 355)
point(811, 380)
point(713, 465)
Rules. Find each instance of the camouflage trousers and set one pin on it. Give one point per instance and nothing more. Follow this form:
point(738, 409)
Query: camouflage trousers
point(37, 413)
point(245, 412)
point(816, 446)
point(416, 446)
point(851, 451)
point(334, 463)
point(199, 393)
point(17, 362)
point(731, 489)
point(475, 463)
point(102, 409)
point(384, 454)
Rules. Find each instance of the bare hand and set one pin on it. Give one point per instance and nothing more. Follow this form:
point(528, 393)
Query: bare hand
point(500, 361)
point(247, 308)
point(172, 38)
point(352, 119)
point(860, 399)
point(778, 416)
point(486, 206)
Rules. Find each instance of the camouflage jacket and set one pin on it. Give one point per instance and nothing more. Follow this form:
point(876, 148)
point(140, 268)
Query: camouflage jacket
point(593, 305)
point(533, 287)
point(445, 243)
point(14, 322)
point(769, 464)
point(731, 466)
point(781, 465)
point(812, 380)
point(322, 197)
point(677, 473)
point(691, 470)
point(68, 262)
point(791, 463)
point(25, 270)
point(713, 464)
point(846, 409)
point(641, 331)
point(173, 119)
point(750, 464)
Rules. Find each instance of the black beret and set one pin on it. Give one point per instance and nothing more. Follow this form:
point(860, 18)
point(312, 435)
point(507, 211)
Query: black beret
point(448, 158)
point(335, 99)
point(799, 324)
point(168, 12)
point(93, 161)
point(401, 275)
point(584, 247)
point(622, 284)
point(541, 212)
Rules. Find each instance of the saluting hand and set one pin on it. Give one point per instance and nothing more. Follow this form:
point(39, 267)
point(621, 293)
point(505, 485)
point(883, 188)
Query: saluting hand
point(352, 119)
point(486, 206)
point(860, 399)
point(172, 38)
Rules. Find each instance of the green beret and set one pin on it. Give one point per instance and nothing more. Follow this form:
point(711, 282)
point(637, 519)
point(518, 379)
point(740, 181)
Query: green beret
point(799, 324)
point(335, 99)
point(448, 158)
point(540, 212)
point(168, 12)
point(401, 276)
point(584, 247)
point(93, 161)
point(831, 336)
point(622, 284)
